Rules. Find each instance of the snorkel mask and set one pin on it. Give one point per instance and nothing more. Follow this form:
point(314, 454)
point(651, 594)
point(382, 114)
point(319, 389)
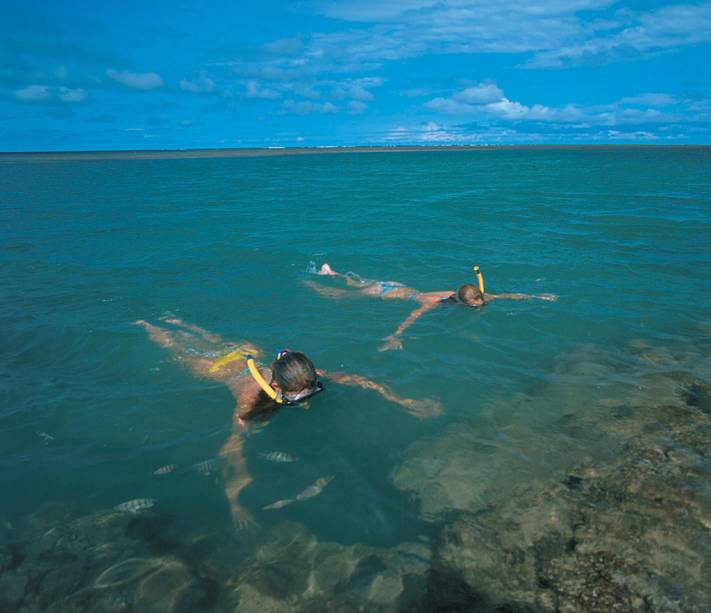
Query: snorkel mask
point(276, 396)
point(454, 298)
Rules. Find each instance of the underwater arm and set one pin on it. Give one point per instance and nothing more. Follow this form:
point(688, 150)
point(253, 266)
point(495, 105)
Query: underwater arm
point(393, 341)
point(417, 408)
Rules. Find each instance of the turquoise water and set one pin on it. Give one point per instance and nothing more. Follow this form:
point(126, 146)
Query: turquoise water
point(89, 246)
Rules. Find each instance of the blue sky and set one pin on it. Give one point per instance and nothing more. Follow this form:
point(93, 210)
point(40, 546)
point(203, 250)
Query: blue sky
point(164, 75)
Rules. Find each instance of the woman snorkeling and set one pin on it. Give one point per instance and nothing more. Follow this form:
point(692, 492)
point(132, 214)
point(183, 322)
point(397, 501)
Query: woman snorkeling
point(258, 390)
point(467, 295)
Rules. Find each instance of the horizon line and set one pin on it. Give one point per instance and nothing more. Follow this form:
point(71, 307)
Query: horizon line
point(325, 149)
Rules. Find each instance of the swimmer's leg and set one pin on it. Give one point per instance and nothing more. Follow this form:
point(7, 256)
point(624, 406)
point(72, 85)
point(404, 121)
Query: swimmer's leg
point(165, 338)
point(236, 477)
point(327, 292)
point(351, 279)
point(171, 340)
point(207, 335)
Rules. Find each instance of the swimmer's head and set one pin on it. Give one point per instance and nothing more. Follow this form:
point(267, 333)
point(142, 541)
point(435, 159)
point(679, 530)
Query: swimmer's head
point(294, 374)
point(470, 295)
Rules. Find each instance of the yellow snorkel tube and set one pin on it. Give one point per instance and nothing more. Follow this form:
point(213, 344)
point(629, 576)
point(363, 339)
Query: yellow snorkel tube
point(232, 356)
point(257, 376)
point(479, 278)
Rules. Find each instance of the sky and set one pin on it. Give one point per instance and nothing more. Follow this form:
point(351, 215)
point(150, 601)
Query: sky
point(87, 75)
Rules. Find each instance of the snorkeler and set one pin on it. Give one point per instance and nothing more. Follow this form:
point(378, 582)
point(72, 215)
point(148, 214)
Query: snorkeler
point(258, 390)
point(467, 295)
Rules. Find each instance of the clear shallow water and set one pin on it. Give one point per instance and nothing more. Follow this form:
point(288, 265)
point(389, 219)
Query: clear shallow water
point(622, 236)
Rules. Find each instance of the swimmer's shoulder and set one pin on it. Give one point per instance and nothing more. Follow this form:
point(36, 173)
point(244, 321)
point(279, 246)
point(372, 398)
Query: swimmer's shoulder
point(433, 297)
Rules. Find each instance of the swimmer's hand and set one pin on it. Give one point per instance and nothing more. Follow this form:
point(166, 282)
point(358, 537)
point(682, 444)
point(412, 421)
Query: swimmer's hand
point(391, 342)
point(548, 297)
point(422, 409)
point(241, 518)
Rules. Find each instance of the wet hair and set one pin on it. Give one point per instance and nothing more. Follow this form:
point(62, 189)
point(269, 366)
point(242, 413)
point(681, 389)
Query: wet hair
point(470, 294)
point(294, 372)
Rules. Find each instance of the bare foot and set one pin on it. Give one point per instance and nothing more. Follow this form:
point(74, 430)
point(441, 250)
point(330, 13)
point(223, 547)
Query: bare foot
point(326, 270)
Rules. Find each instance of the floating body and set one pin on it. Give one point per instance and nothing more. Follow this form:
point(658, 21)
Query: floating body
point(315, 488)
point(133, 506)
point(278, 456)
point(164, 470)
point(207, 467)
point(45, 437)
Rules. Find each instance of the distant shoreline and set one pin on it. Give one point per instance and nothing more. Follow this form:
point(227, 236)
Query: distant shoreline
point(280, 151)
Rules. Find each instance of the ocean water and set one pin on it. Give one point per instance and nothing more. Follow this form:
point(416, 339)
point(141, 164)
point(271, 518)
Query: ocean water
point(90, 407)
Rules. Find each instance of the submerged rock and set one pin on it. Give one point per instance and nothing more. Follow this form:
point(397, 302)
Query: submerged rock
point(293, 571)
point(627, 535)
point(591, 493)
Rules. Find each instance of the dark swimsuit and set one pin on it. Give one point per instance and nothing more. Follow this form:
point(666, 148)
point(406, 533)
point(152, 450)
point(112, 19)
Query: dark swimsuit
point(453, 299)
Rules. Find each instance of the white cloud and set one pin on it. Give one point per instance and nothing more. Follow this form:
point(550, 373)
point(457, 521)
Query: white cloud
point(479, 94)
point(377, 10)
point(636, 135)
point(33, 93)
point(356, 107)
point(356, 89)
point(72, 95)
point(487, 98)
point(306, 107)
point(632, 35)
point(47, 94)
point(434, 133)
point(631, 110)
point(136, 80)
point(552, 33)
point(431, 133)
point(201, 84)
point(255, 90)
point(650, 99)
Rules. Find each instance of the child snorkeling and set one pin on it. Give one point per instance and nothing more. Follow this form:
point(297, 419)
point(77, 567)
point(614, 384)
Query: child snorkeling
point(467, 295)
point(258, 390)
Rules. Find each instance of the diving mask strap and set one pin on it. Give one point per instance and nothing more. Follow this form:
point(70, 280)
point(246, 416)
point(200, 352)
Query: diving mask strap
point(257, 376)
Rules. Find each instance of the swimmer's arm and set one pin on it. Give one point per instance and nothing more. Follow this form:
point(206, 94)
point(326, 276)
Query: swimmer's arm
point(548, 297)
point(393, 341)
point(417, 408)
point(248, 395)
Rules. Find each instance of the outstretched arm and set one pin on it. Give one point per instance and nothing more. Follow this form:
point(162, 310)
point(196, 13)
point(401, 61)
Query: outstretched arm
point(393, 341)
point(548, 297)
point(417, 408)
